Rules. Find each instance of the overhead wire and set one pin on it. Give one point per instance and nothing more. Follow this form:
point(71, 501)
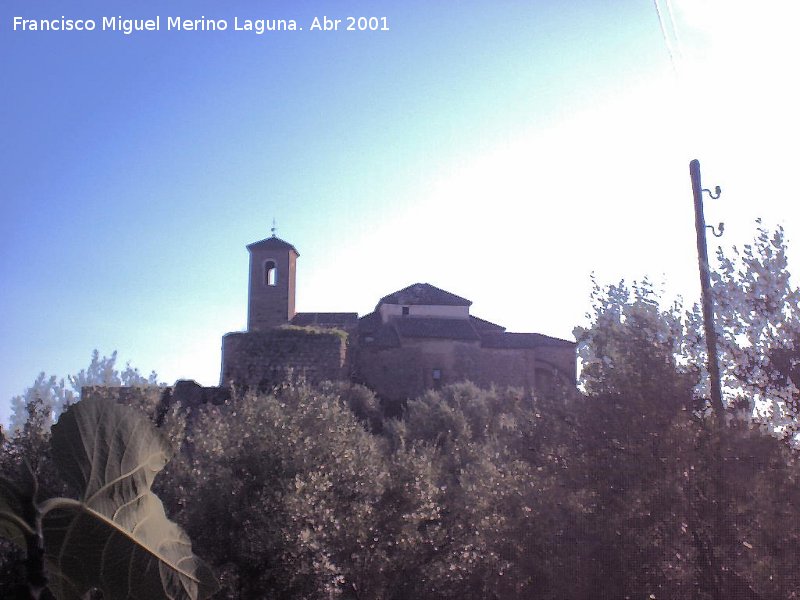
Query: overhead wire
point(675, 32)
point(665, 34)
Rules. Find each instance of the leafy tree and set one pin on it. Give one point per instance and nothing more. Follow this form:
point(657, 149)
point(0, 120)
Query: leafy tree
point(758, 311)
point(290, 481)
point(56, 394)
point(496, 458)
point(633, 344)
point(679, 506)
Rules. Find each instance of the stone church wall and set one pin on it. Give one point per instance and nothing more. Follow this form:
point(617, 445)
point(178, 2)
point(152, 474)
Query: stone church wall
point(406, 372)
point(528, 368)
point(263, 359)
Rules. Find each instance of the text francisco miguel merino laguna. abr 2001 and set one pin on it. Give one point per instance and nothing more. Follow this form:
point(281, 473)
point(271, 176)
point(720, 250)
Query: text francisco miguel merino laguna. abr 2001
point(157, 23)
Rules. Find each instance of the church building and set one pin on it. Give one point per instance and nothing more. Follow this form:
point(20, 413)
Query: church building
point(417, 338)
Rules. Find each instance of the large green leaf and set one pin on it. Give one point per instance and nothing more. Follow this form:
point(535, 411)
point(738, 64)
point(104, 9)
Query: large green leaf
point(116, 537)
point(17, 514)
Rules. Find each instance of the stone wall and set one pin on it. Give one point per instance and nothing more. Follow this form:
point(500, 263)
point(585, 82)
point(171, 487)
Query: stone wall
point(263, 359)
point(406, 372)
point(399, 373)
point(528, 368)
point(149, 398)
point(155, 401)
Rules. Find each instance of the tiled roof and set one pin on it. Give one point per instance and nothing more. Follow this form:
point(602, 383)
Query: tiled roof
point(369, 323)
point(428, 327)
point(482, 325)
point(326, 319)
point(372, 332)
point(272, 242)
point(385, 336)
point(424, 293)
point(522, 340)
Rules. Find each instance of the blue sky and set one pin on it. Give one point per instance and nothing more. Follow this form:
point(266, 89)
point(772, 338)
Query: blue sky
point(500, 150)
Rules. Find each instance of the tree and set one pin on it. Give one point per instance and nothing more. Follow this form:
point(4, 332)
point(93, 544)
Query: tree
point(56, 394)
point(758, 312)
point(633, 345)
point(496, 455)
point(697, 508)
point(290, 482)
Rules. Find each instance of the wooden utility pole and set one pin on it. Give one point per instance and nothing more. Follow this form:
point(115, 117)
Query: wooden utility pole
point(705, 286)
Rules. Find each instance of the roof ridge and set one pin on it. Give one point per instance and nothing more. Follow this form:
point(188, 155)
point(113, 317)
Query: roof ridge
point(424, 293)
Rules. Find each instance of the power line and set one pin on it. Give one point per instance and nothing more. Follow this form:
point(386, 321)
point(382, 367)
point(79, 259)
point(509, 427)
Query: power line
point(678, 43)
point(665, 35)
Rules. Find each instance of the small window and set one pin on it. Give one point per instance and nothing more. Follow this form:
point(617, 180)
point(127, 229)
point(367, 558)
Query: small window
point(436, 374)
point(405, 311)
point(270, 273)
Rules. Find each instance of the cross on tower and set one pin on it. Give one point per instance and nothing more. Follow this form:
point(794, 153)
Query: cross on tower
point(273, 227)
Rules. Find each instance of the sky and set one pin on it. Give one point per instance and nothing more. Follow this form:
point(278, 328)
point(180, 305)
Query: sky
point(503, 151)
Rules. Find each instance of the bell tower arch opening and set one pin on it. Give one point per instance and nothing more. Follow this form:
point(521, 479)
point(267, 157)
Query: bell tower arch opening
point(271, 272)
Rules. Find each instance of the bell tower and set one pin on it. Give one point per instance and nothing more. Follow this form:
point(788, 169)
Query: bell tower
point(270, 300)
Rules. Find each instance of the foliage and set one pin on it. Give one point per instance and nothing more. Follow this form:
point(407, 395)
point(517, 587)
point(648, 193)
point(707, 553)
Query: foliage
point(702, 509)
point(25, 459)
point(632, 344)
point(486, 494)
point(57, 394)
point(116, 537)
point(291, 481)
point(489, 493)
point(314, 330)
point(758, 312)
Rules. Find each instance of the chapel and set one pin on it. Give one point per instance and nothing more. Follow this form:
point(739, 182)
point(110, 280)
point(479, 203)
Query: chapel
point(417, 338)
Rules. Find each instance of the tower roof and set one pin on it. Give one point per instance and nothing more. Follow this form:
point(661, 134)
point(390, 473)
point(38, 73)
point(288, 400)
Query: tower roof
point(272, 243)
point(424, 293)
